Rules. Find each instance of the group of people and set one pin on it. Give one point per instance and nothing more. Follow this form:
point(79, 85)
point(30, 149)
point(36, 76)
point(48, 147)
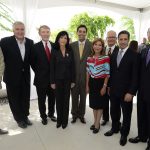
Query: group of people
point(111, 73)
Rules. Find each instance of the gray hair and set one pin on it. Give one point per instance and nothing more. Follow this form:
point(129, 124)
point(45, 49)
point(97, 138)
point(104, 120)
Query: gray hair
point(17, 23)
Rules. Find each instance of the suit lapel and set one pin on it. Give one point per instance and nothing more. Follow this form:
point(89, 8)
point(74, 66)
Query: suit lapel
point(114, 56)
point(16, 48)
point(84, 50)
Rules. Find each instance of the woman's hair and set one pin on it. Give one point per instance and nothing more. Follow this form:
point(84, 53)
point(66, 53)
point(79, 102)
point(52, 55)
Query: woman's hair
point(59, 35)
point(133, 45)
point(103, 46)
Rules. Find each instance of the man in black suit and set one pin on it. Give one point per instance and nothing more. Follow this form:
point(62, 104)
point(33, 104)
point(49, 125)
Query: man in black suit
point(111, 46)
point(41, 66)
point(143, 101)
point(123, 86)
point(16, 50)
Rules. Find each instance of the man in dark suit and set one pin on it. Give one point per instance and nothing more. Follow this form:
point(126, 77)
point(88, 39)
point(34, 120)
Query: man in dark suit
point(123, 86)
point(81, 49)
point(16, 50)
point(111, 46)
point(41, 66)
point(143, 100)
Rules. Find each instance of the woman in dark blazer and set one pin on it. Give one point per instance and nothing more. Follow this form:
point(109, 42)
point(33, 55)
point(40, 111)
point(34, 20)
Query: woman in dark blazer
point(62, 76)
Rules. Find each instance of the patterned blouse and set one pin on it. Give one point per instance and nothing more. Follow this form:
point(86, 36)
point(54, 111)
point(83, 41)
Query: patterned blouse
point(98, 67)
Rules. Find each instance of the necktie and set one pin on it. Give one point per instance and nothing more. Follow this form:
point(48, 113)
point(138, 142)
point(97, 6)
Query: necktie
point(47, 51)
point(148, 57)
point(119, 57)
point(81, 49)
point(109, 52)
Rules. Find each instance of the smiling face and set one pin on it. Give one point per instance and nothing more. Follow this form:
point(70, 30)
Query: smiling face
point(81, 34)
point(19, 31)
point(97, 47)
point(111, 38)
point(63, 41)
point(44, 34)
point(123, 41)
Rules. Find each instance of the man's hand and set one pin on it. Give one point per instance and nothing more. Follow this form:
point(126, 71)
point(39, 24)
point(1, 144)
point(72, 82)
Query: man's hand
point(53, 86)
point(72, 85)
point(128, 97)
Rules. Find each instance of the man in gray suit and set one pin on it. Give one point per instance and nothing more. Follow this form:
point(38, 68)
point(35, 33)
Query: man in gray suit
point(82, 49)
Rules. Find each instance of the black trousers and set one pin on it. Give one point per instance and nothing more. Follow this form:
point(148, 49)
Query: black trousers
point(142, 117)
point(42, 94)
point(19, 100)
point(106, 109)
point(62, 100)
point(118, 103)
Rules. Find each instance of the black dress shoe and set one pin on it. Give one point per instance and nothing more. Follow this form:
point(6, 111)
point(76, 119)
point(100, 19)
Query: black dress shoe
point(96, 130)
point(3, 132)
point(137, 140)
point(83, 120)
point(92, 127)
point(53, 118)
point(22, 124)
point(28, 122)
point(123, 140)
point(58, 125)
point(104, 123)
point(110, 132)
point(64, 126)
point(44, 121)
point(74, 119)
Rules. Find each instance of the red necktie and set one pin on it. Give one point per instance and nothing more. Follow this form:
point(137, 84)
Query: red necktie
point(47, 51)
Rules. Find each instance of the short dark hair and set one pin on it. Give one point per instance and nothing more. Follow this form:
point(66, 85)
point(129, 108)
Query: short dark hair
point(81, 26)
point(60, 34)
point(124, 32)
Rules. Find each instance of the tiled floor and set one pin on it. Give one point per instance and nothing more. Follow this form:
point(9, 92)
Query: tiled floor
point(74, 137)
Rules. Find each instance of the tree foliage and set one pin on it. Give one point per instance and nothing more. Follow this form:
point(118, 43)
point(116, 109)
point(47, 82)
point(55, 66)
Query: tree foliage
point(96, 25)
point(6, 19)
point(128, 24)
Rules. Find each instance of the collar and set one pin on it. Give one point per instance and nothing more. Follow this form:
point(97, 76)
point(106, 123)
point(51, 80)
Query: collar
point(81, 42)
point(20, 42)
point(112, 48)
point(124, 50)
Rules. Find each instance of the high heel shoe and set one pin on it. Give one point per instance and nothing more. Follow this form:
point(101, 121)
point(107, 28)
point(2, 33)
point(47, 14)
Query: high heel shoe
point(92, 127)
point(96, 130)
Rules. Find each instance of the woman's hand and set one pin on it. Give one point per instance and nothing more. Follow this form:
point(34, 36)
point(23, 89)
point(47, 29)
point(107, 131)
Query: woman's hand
point(103, 91)
point(53, 86)
point(72, 85)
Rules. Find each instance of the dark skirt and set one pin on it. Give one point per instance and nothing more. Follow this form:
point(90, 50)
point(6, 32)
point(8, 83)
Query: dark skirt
point(96, 101)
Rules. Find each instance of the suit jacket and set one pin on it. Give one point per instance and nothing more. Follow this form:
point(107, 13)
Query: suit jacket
point(16, 68)
point(2, 65)
point(62, 68)
point(80, 64)
point(124, 79)
point(145, 74)
point(40, 65)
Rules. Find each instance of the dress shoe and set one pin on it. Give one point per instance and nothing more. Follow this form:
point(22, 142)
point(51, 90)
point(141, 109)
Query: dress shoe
point(96, 130)
point(137, 140)
point(123, 140)
point(74, 119)
point(28, 122)
point(53, 118)
point(44, 121)
point(110, 132)
point(92, 127)
point(22, 124)
point(58, 125)
point(104, 123)
point(3, 132)
point(83, 120)
point(148, 147)
point(64, 126)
